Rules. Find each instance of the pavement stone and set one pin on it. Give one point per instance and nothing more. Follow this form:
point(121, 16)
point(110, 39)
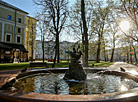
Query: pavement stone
point(126, 66)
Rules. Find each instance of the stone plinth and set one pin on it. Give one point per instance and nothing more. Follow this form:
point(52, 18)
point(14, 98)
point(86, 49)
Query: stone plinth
point(75, 72)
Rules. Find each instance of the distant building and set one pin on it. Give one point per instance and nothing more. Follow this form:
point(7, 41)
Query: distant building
point(12, 33)
point(50, 51)
point(48, 48)
point(66, 46)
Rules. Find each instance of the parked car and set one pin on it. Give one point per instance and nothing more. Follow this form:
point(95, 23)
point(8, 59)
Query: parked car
point(50, 60)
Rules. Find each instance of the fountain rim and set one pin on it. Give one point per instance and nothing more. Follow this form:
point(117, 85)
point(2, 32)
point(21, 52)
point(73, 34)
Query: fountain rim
point(32, 96)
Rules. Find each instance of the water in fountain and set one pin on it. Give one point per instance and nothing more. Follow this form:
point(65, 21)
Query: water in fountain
point(95, 84)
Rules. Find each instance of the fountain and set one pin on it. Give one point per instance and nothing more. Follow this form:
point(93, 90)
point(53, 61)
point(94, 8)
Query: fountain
point(68, 84)
point(75, 71)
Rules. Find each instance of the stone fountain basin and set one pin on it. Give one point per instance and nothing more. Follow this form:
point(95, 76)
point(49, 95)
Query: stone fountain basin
point(23, 96)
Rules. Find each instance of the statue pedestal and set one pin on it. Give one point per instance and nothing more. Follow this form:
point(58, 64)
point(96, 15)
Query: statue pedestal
point(75, 72)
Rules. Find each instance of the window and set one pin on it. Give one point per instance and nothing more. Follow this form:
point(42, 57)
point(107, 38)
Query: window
point(19, 20)
point(8, 38)
point(18, 39)
point(9, 17)
point(19, 30)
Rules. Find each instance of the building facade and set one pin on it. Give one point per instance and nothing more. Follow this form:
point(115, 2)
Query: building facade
point(12, 33)
point(30, 36)
point(48, 50)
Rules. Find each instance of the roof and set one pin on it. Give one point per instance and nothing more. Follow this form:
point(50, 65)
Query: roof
point(33, 18)
point(4, 46)
point(11, 46)
point(11, 6)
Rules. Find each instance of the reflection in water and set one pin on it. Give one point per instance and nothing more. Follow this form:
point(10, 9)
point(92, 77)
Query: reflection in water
point(127, 95)
point(123, 88)
point(133, 72)
point(95, 84)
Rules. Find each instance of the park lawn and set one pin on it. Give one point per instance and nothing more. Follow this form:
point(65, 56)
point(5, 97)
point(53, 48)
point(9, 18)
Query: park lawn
point(102, 63)
point(61, 64)
point(10, 66)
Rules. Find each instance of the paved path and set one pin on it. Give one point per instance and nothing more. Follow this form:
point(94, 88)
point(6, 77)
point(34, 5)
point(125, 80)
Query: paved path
point(126, 66)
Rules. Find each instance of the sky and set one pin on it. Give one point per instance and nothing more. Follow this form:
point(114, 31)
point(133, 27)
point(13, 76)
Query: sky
point(26, 5)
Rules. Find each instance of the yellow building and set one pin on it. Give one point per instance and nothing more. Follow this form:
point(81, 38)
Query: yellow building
point(30, 36)
point(12, 33)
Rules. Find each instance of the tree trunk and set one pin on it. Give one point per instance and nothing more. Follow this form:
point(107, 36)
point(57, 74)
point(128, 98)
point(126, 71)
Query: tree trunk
point(113, 50)
point(55, 54)
point(56, 49)
point(112, 55)
point(131, 55)
point(105, 59)
point(83, 57)
point(58, 54)
point(127, 57)
point(104, 54)
point(85, 32)
point(98, 53)
point(135, 53)
point(43, 48)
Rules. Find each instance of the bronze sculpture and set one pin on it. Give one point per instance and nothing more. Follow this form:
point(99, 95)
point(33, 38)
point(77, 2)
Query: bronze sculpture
point(75, 71)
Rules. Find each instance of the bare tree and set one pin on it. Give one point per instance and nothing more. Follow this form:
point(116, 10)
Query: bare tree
point(58, 12)
point(100, 14)
point(43, 26)
point(113, 30)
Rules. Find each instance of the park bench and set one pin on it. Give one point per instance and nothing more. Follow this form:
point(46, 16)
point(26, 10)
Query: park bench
point(38, 64)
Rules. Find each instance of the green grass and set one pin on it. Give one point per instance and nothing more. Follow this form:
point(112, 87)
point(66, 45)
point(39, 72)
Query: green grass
point(41, 60)
point(10, 66)
point(102, 63)
point(61, 64)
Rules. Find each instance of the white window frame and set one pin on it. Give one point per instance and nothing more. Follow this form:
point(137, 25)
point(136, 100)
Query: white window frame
point(20, 39)
point(6, 37)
